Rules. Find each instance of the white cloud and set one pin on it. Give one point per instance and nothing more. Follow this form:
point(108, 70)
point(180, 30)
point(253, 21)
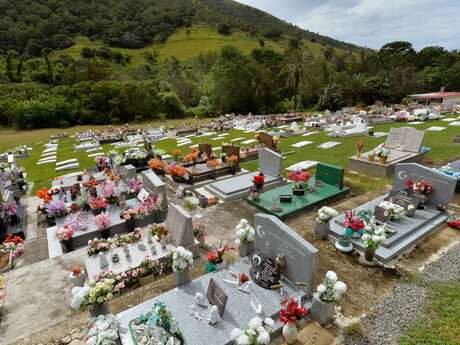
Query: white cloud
point(373, 23)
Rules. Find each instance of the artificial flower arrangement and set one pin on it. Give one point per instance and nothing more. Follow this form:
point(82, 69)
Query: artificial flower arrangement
point(199, 229)
point(258, 183)
point(422, 186)
point(156, 327)
point(325, 214)
point(98, 204)
point(130, 238)
point(192, 157)
point(453, 222)
point(134, 153)
point(134, 186)
point(151, 203)
point(99, 292)
point(65, 232)
point(257, 332)
point(213, 163)
point(374, 234)
point(102, 221)
point(212, 200)
point(91, 183)
point(156, 165)
point(182, 259)
point(102, 163)
point(331, 289)
point(77, 221)
point(110, 192)
point(299, 178)
point(245, 233)
point(359, 147)
point(291, 311)
point(44, 195)
point(396, 211)
point(82, 202)
point(353, 224)
point(176, 170)
point(130, 214)
point(11, 208)
point(233, 160)
point(77, 271)
point(102, 330)
point(176, 154)
point(13, 244)
point(216, 257)
point(98, 245)
point(56, 208)
point(382, 151)
point(160, 231)
point(149, 266)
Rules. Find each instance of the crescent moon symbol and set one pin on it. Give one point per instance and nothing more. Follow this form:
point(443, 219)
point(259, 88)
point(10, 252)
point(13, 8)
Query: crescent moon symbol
point(260, 232)
point(402, 175)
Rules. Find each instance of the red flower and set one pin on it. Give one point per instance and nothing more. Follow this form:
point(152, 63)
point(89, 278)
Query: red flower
point(259, 180)
point(212, 257)
point(292, 312)
point(409, 184)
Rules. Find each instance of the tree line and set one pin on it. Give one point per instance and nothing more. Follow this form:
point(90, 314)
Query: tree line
point(104, 86)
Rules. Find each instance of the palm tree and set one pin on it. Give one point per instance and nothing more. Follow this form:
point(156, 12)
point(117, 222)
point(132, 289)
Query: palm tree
point(355, 85)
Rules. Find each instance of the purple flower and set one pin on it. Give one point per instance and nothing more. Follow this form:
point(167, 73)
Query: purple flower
point(56, 208)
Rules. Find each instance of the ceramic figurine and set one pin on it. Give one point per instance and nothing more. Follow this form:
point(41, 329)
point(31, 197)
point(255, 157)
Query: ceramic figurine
point(200, 299)
point(213, 316)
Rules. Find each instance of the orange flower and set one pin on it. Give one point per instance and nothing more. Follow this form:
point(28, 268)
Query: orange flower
point(190, 157)
point(180, 171)
point(212, 163)
point(177, 153)
point(43, 194)
point(156, 164)
point(233, 160)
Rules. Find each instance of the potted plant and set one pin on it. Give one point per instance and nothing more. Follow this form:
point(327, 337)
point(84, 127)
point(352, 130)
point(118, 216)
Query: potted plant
point(245, 237)
point(373, 236)
point(130, 215)
point(290, 313)
point(182, 260)
point(382, 153)
point(98, 205)
point(257, 332)
point(328, 292)
point(77, 276)
point(359, 148)
point(299, 178)
point(322, 227)
point(216, 257)
point(157, 165)
point(103, 223)
point(147, 270)
point(64, 234)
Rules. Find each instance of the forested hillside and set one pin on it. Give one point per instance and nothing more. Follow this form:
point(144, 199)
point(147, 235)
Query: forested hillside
point(95, 62)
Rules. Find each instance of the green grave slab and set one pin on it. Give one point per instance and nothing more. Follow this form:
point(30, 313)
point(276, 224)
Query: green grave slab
point(322, 194)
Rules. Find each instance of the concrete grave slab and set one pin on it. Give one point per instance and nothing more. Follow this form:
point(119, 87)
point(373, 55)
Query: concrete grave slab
point(69, 166)
point(66, 162)
point(380, 134)
point(328, 145)
point(415, 123)
point(309, 133)
point(96, 154)
point(449, 119)
point(436, 129)
point(304, 165)
point(238, 139)
point(302, 144)
point(455, 123)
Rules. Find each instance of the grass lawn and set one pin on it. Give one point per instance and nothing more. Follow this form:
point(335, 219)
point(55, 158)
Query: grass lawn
point(441, 143)
point(440, 324)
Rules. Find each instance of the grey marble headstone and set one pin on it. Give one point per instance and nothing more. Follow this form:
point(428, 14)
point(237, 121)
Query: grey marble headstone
point(270, 162)
point(405, 139)
point(154, 185)
point(180, 225)
point(455, 165)
point(444, 185)
point(274, 237)
point(127, 172)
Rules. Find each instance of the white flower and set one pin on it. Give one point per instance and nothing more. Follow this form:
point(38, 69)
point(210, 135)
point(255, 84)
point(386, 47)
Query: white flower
point(321, 288)
point(375, 238)
point(91, 341)
point(269, 322)
point(236, 333)
point(331, 275)
point(243, 340)
point(243, 222)
point(340, 289)
point(365, 237)
point(263, 338)
point(255, 323)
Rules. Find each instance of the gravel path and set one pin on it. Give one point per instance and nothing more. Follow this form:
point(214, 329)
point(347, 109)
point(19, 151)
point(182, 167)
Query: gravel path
point(397, 312)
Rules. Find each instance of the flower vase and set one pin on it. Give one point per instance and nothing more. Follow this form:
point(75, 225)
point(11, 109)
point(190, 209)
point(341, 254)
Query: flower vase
point(210, 267)
point(77, 280)
point(203, 201)
point(344, 244)
point(322, 230)
point(147, 279)
point(369, 254)
point(255, 196)
point(98, 309)
point(246, 249)
point(383, 159)
point(67, 245)
point(322, 312)
point(131, 225)
point(298, 191)
point(50, 220)
point(371, 157)
point(182, 277)
point(290, 333)
point(105, 233)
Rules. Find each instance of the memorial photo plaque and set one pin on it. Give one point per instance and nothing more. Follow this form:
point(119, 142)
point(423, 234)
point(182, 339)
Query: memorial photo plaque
point(381, 215)
point(217, 296)
point(264, 271)
point(404, 200)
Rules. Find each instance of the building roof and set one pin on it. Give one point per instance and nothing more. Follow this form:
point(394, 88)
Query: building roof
point(435, 95)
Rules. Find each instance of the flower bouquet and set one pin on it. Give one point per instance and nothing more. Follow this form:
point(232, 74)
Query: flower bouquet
point(421, 190)
point(130, 238)
point(56, 208)
point(64, 235)
point(396, 211)
point(97, 246)
point(290, 313)
point(77, 276)
point(299, 178)
point(328, 292)
point(157, 165)
point(110, 192)
point(176, 154)
point(98, 205)
point(156, 327)
point(177, 172)
point(382, 153)
point(134, 186)
point(215, 257)
point(44, 195)
point(353, 225)
point(182, 260)
point(245, 237)
point(148, 269)
point(98, 294)
point(373, 236)
point(325, 214)
point(130, 215)
point(102, 330)
point(257, 332)
point(453, 222)
point(258, 184)
point(103, 223)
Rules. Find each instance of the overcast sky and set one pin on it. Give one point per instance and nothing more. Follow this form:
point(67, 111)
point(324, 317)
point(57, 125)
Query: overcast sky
point(373, 23)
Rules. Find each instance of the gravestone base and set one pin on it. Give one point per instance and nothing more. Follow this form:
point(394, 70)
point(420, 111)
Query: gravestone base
point(203, 183)
point(374, 168)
